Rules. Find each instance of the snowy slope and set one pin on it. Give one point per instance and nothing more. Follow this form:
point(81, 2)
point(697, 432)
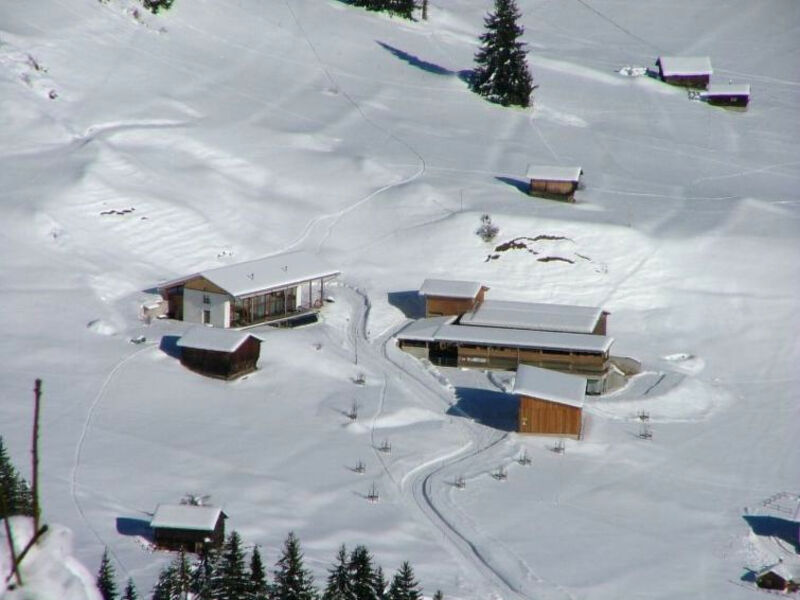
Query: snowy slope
point(236, 129)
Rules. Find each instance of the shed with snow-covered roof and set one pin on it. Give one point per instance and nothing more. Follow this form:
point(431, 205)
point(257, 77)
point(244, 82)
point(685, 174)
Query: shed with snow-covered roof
point(275, 288)
point(220, 353)
point(567, 318)
point(686, 71)
point(555, 182)
point(188, 527)
point(550, 403)
point(450, 297)
point(727, 94)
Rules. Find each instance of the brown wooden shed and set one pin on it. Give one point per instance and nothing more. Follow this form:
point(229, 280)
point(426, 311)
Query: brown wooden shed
point(554, 182)
point(550, 403)
point(686, 71)
point(445, 297)
point(220, 353)
point(727, 95)
point(188, 527)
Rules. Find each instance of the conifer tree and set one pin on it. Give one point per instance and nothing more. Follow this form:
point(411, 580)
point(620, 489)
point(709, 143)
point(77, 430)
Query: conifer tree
point(259, 588)
point(105, 578)
point(292, 581)
point(380, 584)
point(203, 574)
point(165, 588)
point(130, 591)
point(438, 595)
point(156, 5)
point(362, 574)
point(404, 586)
point(231, 580)
point(502, 74)
point(402, 8)
point(338, 586)
point(15, 495)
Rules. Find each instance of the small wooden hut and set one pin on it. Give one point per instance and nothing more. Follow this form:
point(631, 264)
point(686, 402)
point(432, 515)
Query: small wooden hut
point(686, 71)
point(188, 527)
point(727, 95)
point(220, 353)
point(558, 183)
point(780, 576)
point(550, 403)
point(445, 297)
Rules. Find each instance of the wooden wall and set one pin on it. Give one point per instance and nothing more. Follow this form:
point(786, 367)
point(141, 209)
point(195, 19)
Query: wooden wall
point(223, 365)
point(549, 418)
point(438, 306)
point(690, 81)
point(190, 540)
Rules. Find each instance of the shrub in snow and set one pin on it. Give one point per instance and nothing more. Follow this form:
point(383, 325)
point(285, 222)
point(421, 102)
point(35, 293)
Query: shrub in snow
point(502, 74)
point(487, 230)
point(156, 5)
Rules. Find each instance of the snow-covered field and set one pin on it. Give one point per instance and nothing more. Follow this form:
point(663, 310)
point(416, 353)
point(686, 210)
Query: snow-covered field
point(226, 130)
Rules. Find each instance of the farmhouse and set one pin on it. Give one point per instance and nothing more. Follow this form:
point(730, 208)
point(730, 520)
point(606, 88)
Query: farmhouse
point(276, 288)
point(727, 95)
point(550, 403)
point(188, 527)
point(220, 353)
point(559, 183)
point(446, 342)
point(686, 71)
point(780, 576)
point(449, 297)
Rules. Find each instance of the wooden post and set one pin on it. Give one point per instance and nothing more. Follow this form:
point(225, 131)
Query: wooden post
point(424, 10)
point(37, 394)
point(10, 540)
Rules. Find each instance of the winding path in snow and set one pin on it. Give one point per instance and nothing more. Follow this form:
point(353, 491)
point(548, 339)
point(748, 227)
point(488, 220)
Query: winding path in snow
point(427, 486)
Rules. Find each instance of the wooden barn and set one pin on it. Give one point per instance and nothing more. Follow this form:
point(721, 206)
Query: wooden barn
point(220, 353)
point(781, 577)
point(550, 403)
point(737, 96)
point(450, 297)
point(557, 183)
point(686, 71)
point(188, 527)
point(277, 288)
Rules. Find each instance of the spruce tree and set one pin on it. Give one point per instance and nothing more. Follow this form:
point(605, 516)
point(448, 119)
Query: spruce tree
point(166, 588)
point(292, 581)
point(338, 586)
point(502, 74)
point(156, 5)
point(402, 8)
point(362, 574)
point(380, 584)
point(203, 575)
point(15, 495)
point(259, 589)
point(230, 579)
point(130, 591)
point(404, 586)
point(105, 578)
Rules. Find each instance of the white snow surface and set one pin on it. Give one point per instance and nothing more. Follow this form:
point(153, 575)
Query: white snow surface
point(213, 338)
point(553, 173)
point(221, 131)
point(48, 570)
point(186, 516)
point(550, 385)
point(685, 65)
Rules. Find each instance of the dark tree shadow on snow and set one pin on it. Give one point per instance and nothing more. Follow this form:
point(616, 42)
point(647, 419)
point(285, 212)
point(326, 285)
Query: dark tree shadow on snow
point(521, 184)
point(138, 527)
point(490, 408)
point(783, 529)
point(410, 303)
point(464, 75)
point(169, 346)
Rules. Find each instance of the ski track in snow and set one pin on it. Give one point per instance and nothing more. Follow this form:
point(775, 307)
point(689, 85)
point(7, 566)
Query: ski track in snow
point(425, 484)
point(76, 463)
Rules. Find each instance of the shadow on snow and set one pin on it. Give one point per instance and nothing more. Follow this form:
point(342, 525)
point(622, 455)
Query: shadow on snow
point(465, 75)
point(487, 407)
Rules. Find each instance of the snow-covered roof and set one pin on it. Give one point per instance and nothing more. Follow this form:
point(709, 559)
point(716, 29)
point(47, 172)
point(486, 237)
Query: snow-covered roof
point(550, 385)
point(186, 516)
point(727, 89)
point(255, 276)
point(439, 329)
point(450, 288)
point(788, 571)
point(533, 315)
point(553, 173)
point(685, 65)
point(213, 338)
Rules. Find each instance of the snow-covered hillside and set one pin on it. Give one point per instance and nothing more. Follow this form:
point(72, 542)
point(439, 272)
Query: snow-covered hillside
point(135, 149)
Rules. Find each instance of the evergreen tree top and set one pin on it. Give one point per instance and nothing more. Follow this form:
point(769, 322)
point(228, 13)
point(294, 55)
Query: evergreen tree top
point(106, 578)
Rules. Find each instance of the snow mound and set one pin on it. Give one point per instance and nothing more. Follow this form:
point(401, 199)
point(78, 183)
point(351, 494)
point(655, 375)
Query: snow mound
point(685, 362)
point(405, 417)
point(101, 327)
point(632, 71)
point(49, 571)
